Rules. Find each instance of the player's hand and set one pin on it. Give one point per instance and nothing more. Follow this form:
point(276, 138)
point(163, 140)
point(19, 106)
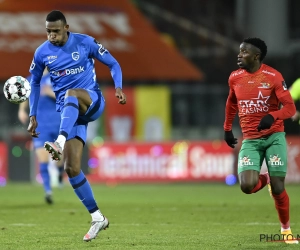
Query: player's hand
point(229, 138)
point(121, 96)
point(23, 116)
point(32, 127)
point(296, 116)
point(265, 123)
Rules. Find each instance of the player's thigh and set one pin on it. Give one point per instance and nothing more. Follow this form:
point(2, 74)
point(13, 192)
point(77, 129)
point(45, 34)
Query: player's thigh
point(42, 155)
point(96, 108)
point(73, 154)
point(84, 99)
point(250, 156)
point(276, 155)
point(38, 144)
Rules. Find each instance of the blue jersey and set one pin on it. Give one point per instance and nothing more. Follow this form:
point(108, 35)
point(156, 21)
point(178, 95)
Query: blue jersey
point(70, 66)
point(46, 107)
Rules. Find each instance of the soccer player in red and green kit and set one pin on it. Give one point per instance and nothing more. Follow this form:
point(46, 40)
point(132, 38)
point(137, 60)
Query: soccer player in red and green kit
point(257, 92)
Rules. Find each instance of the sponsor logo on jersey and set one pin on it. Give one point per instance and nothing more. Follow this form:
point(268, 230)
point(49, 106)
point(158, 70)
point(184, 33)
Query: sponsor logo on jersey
point(254, 105)
point(67, 72)
point(245, 161)
point(268, 72)
point(264, 85)
point(275, 160)
point(75, 56)
point(238, 73)
point(51, 59)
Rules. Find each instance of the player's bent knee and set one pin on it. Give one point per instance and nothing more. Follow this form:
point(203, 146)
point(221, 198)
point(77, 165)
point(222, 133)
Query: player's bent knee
point(277, 189)
point(247, 187)
point(71, 171)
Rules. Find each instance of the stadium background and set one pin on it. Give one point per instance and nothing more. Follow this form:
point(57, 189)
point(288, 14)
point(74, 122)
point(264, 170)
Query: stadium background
point(176, 57)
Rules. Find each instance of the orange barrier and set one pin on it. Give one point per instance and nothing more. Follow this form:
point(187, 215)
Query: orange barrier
point(117, 24)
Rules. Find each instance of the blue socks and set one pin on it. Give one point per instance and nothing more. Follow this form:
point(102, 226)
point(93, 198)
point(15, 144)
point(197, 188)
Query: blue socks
point(61, 172)
point(69, 115)
point(84, 192)
point(45, 177)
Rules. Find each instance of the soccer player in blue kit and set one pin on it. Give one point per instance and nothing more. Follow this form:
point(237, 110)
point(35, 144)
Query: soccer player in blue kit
point(49, 129)
point(69, 58)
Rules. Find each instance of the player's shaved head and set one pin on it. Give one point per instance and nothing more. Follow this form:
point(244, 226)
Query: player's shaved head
point(56, 15)
point(258, 43)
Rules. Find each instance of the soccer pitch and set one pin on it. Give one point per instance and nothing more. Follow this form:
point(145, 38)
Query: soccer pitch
point(144, 216)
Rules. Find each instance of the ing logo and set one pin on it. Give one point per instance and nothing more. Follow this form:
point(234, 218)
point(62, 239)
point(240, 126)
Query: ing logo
point(275, 160)
point(245, 161)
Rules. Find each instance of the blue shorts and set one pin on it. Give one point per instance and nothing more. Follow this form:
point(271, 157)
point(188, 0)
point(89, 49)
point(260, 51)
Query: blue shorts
point(93, 113)
point(46, 134)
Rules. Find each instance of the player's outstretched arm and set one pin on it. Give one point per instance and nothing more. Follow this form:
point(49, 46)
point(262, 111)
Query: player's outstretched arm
point(33, 103)
point(98, 51)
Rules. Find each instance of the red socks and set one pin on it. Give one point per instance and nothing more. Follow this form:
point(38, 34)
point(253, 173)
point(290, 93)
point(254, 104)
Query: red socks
point(262, 182)
point(282, 204)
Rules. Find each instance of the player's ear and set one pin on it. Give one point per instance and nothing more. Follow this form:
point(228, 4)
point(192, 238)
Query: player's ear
point(67, 26)
point(257, 56)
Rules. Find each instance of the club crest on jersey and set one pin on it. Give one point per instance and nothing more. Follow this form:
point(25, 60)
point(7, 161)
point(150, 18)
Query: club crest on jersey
point(275, 160)
point(75, 56)
point(264, 85)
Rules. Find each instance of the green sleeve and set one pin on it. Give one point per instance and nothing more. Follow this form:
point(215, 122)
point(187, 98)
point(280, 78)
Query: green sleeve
point(295, 90)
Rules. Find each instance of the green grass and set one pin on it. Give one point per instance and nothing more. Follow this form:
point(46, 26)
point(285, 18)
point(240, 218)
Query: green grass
point(161, 216)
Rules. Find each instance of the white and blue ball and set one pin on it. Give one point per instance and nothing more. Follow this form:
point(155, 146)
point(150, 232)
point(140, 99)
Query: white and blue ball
point(17, 89)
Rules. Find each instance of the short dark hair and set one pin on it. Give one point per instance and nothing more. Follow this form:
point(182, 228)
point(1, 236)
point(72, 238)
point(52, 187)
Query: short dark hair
point(258, 43)
point(56, 15)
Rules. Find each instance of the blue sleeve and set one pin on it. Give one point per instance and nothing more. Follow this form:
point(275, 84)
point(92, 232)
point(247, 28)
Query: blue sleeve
point(37, 66)
point(96, 50)
point(36, 69)
point(34, 95)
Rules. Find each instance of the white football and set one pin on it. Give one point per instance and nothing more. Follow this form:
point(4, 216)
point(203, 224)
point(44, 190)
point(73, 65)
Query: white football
point(17, 89)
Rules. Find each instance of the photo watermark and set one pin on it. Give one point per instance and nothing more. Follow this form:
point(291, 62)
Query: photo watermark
point(278, 237)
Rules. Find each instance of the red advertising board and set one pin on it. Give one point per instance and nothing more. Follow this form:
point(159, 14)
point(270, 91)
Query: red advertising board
point(3, 160)
point(174, 161)
point(161, 162)
point(118, 116)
